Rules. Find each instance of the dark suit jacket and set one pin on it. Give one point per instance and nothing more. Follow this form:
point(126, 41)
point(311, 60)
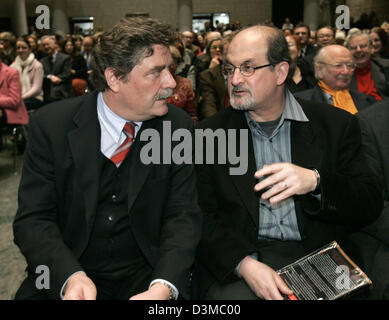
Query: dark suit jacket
point(213, 91)
point(380, 75)
point(350, 193)
point(59, 190)
point(361, 100)
point(375, 237)
point(62, 68)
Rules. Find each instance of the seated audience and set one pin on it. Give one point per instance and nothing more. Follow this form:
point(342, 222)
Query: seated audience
point(31, 74)
point(371, 75)
point(57, 82)
point(7, 47)
point(380, 43)
point(183, 95)
point(186, 67)
point(12, 108)
point(35, 49)
point(212, 56)
point(325, 36)
point(212, 87)
point(303, 32)
point(334, 67)
point(300, 75)
point(188, 38)
point(79, 69)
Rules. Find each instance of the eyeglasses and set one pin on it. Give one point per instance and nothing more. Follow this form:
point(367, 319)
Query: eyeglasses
point(340, 66)
point(361, 46)
point(246, 69)
point(325, 35)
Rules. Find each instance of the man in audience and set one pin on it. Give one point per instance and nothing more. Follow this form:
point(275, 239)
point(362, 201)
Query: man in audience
point(106, 222)
point(57, 66)
point(325, 36)
point(334, 67)
point(87, 44)
point(302, 31)
point(187, 39)
point(371, 74)
point(307, 182)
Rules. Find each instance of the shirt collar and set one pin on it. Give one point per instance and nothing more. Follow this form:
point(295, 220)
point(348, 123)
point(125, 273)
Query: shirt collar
point(292, 111)
point(113, 123)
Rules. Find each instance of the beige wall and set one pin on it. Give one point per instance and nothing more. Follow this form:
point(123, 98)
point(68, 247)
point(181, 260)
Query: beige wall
point(107, 12)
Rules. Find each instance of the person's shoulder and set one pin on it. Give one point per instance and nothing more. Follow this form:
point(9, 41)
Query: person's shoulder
point(381, 62)
point(305, 94)
point(322, 111)
point(378, 111)
point(63, 110)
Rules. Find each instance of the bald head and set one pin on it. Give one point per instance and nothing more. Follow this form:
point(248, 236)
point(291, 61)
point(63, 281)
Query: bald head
point(334, 65)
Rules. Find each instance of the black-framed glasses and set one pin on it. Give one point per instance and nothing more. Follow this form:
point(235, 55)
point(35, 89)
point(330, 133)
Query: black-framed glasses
point(246, 69)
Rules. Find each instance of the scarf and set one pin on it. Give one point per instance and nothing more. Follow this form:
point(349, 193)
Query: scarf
point(341, 98)
point(22, 67)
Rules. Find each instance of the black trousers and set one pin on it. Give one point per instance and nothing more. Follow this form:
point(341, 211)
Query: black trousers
point(120, 289)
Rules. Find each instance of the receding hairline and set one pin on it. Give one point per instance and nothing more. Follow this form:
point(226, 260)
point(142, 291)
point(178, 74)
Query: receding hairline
point(324, 51)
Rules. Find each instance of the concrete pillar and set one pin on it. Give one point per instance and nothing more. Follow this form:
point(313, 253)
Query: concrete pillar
point(184, 8)
point(311, 13)
point(20, 17)
point(60, 17)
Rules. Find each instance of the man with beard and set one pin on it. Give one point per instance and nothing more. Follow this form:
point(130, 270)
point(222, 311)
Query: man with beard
point(334, 67)
point(371, 74)
point(306, 185)
point(104, 223)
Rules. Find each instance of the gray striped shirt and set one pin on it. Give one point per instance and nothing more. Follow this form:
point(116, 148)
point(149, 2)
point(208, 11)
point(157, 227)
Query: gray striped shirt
point(277, 221)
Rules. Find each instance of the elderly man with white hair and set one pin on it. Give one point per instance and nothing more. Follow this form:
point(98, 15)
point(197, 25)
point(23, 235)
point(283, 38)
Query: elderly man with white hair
point(334, 68)
point(371, 74)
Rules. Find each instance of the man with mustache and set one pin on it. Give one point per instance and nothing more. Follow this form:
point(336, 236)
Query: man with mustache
point(371, 75)
point(334, 67)
point(307, 182)
point(106, 225)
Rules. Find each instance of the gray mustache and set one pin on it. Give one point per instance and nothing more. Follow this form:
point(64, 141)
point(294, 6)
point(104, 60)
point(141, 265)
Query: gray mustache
point(164, 95)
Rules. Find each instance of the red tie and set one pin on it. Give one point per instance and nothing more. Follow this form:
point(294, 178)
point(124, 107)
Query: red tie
point(121, 152)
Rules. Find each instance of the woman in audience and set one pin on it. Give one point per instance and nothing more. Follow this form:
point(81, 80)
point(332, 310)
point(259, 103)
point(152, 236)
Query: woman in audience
point(379, 40)
point(301, 75)
point(31, 74)
point(12, 108)
point(183, 95)
point(79, 69)
point(213, 56)
point(33, 41)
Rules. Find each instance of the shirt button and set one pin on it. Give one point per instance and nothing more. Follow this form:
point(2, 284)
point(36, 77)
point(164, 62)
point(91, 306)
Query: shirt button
point(110, 218)
point(281, 222)
point(114, 198)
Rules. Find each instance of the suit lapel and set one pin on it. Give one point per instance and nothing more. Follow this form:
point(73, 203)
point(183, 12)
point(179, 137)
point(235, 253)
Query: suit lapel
point(244, 183)
point(85, 147)
point(303, 138)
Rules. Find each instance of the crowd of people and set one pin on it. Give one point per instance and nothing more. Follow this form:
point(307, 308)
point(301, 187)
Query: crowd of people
point(53, 68)
point(194, 231)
